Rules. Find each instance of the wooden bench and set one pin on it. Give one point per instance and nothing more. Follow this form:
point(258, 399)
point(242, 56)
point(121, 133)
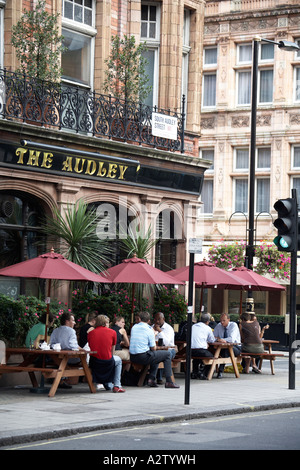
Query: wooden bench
point(214, 362)
point(143, 369)
point(265, 355)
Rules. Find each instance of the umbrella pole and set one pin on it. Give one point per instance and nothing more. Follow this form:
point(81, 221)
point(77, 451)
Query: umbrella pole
point(42, 389)
point(201, 299)
point(241, 302)
point(48, 309)
point(132, 302)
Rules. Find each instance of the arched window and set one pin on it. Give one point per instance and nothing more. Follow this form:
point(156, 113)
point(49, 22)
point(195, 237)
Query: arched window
point(21, 216)
point(168, 233)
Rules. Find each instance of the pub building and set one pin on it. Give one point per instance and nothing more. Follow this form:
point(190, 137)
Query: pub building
point(42, 168)
point(62, 142)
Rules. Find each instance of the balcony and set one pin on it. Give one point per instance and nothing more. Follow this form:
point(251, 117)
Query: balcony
point(73, 109)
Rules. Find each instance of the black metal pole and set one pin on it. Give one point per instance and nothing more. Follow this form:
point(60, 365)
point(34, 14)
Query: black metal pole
point(250, 246)
point(189, 330)
point(293, 315)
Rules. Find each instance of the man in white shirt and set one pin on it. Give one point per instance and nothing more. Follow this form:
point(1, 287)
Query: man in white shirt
point(227, 332)
point(202, 334)
point(165, 333)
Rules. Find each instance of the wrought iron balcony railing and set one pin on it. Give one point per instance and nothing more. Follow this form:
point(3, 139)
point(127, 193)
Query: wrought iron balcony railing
point(74, 109)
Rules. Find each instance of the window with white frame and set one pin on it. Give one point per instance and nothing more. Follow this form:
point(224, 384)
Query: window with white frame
point(208, 154)
point(209, 84)
point(78, 30)
point(297, 83)
point(295, 183)
point(262, 199)
point(297, 75)
point(296, 156)
point(262, 183)
point(241, 159)
point(241, 194)
point(265, 73)
point(207, 194)
point(150, 34)
point(263, 158)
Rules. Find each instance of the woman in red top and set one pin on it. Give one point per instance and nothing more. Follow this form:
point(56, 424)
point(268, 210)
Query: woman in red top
point(106, 368)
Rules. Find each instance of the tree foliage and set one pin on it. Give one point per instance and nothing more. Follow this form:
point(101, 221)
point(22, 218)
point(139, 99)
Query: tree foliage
point(126, 73)
point(38, 43)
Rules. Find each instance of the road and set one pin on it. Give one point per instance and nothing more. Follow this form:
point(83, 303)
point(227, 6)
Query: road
point(277, 429)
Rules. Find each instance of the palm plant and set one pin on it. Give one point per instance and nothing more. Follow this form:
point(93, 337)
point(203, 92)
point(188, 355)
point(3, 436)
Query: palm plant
point(139, 244)
point(75, 233)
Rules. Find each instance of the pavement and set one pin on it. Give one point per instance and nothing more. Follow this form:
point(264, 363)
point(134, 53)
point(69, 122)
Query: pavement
point(27, 417)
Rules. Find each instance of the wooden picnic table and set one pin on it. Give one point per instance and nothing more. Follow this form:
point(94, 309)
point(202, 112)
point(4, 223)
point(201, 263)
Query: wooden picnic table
point(216, 348)
point(57, 368)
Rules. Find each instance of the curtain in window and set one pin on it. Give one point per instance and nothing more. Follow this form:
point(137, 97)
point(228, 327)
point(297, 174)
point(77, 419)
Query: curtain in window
point(244, 87)
point(296, 185)
point(245, 53)
point(241, 195)
point(209, 90)
point(296, 157)
point(263, 195)
point(264, 158)
point(266, 86)
point(297, 97)
point(207, 197)
point(242, 159)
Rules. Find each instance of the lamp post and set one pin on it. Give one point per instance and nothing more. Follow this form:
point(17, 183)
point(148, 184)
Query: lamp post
point(286, 46)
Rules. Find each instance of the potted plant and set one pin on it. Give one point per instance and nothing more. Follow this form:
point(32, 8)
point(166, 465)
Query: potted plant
point(127, 81)
point(38, 46)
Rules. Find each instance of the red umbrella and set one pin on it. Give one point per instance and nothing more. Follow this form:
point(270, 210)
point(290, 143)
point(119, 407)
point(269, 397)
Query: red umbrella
point(51, 266)
point(138, 271)
point(255, 281)
point(207, 275)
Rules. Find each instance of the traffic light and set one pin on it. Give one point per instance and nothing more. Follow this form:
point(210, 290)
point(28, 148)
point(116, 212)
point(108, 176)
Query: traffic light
point(286, 224)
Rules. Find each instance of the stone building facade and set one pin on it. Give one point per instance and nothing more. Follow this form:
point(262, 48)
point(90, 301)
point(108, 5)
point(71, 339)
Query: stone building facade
point(48, 163)
point(230, 27)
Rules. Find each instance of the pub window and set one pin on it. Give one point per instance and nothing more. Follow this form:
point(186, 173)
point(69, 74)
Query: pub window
point(21, 216)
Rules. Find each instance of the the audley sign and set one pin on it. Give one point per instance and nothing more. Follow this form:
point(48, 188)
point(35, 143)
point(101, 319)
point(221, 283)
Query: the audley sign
point(36, 157)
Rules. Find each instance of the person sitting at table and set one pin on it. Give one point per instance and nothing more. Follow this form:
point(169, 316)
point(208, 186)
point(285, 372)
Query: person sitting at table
point(143, 351)
point(38, 329)
point(86, 328)
point(202, 334)
point(227, 332)
point(121, 349)
point(105, 365)
point(65, 335)
point(166, 336)
point(251, 341)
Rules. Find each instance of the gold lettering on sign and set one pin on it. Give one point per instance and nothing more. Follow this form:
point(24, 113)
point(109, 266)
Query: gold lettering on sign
point(77, 162)
point(20, 153)
point(67, 164)
point(91, 167)
point(102, 169)
point(47, 160)
point(33, 158)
